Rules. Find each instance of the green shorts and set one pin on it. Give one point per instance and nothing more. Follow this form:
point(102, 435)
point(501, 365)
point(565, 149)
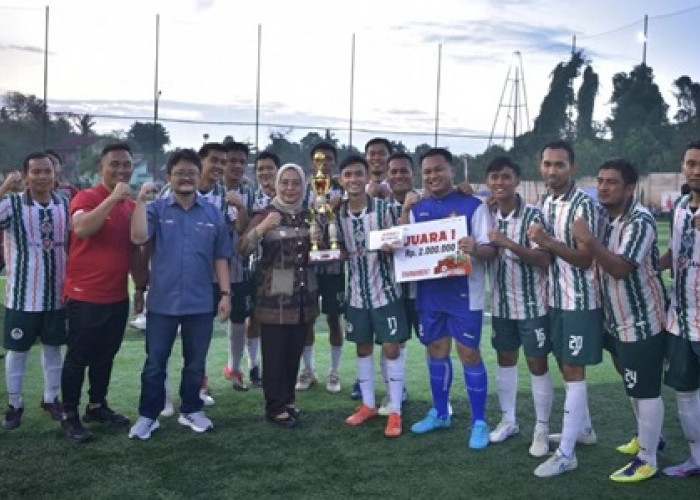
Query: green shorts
point(23, 328)
point(532, 334)
point(411, 316)
point(683, 364)
point(382, 325)
point(331, 289)
point(642, 363)
point(577, 336)
point(241, 301)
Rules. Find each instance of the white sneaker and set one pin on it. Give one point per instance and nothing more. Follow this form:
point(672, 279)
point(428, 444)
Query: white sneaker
point(503, 431)
point(206, 398)
point(333, 384)
point(556, 465)
point(306, 379)
point(587, 437)
point(139, 322)
point(142, 428)
point(168, 410)
point(196, 421)
point(385, 407)
point(540, 441)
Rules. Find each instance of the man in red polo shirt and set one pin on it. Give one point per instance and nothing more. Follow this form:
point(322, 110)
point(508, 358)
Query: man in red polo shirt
point(101, 255)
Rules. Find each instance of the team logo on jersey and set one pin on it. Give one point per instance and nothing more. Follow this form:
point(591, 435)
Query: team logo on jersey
point(630, 378)
point(17, 333)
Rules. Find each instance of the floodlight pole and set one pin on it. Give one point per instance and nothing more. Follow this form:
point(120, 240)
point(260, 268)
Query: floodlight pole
point(45, 117)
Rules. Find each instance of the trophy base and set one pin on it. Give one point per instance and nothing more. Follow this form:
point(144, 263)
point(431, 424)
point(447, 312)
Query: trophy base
point(321, 256)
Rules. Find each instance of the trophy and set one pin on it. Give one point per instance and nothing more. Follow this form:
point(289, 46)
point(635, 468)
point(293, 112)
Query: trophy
point(321, 213)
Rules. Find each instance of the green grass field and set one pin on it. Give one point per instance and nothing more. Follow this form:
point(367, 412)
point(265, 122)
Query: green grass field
point(246, 457)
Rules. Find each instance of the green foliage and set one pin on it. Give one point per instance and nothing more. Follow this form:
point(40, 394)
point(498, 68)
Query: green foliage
point(148, 137)
point(636, 103)
point(553, 120)
point(585, 102)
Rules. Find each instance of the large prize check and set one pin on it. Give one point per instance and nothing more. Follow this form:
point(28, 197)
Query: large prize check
point(426, 250)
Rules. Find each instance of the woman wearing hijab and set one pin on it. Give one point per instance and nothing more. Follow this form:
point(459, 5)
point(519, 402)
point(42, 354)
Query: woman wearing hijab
point(286, 293)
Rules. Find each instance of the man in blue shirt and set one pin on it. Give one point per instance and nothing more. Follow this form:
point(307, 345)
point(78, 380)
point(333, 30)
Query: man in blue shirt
point(190, 242)
point(452, 307)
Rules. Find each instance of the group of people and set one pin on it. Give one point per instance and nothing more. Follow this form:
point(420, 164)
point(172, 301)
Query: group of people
point(569, 276)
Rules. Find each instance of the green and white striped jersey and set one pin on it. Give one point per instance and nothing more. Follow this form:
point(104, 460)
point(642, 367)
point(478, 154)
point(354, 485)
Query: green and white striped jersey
point(571, 288)
point(518, 289)
point(36, 249)
point(684, 314)
point(239, 265)
point(371, 282)
point(634, 306)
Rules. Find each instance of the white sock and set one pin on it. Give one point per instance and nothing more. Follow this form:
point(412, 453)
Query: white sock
point(542, 396)
point(336, 355)
point(365, 373)
point(382, 365)
point(586, 424)
point(253, 348)
point(236, 343)
point(649, 423)
point(635, 408)
point(52, 362)
point(395, 370)
point(574, 407)
point(689, 415)
point(308, 357)
point(15, 365)
point(507, 388)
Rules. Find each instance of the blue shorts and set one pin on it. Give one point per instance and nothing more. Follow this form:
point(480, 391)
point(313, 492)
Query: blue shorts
point(465, 327)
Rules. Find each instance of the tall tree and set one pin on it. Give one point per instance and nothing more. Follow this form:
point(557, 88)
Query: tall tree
point(585, 102)
point(83, 124)
point(553, 120)
point(148, 137)
point(636, 102)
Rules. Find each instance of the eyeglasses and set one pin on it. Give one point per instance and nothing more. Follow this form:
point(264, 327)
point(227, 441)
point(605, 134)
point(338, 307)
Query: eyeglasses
point(185, 174)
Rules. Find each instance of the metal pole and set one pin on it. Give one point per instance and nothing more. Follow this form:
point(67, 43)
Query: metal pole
point(516, 104)
point(352, 88)
point(46, 80)
point(437, 96)
point(156, 96)
point(257, 91)
point(644, 46)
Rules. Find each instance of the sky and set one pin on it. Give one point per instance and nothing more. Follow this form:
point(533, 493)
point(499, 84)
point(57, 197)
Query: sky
point(102, 60)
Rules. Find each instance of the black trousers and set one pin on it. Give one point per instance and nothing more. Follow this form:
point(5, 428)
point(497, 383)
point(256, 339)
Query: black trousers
point(282, 346)
point(95, 333)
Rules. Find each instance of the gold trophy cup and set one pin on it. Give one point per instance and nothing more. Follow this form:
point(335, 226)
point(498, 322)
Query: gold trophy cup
point(320, 212)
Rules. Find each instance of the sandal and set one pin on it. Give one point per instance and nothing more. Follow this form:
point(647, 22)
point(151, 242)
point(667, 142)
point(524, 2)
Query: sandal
point(284, 419)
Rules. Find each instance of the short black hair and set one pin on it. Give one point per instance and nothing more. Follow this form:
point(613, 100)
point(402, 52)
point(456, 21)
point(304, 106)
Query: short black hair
point(237, 146)
point(437, 152)
point(324, 146)
point(54, 154)
point(34, 156)
point(379, 140)
point(692, 145)
point(268, 155)
point(211, 146)
point(560, 144)
point(400, 155)
point(188, 155)
point(118, 146)
point(627, 170)
point(501, 162)
point(351, 160)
